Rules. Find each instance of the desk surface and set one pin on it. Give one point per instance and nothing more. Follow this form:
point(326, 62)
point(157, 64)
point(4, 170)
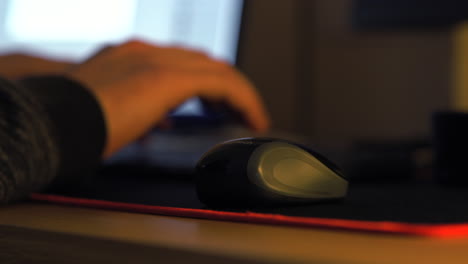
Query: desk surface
point(222, 240)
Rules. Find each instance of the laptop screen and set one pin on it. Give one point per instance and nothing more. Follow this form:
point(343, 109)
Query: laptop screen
point(75, 29)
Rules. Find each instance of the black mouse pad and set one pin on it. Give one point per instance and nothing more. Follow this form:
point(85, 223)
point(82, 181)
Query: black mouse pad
point(409, 208)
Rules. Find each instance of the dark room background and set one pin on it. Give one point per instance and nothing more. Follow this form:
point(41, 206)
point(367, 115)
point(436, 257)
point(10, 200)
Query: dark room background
point(326, 75)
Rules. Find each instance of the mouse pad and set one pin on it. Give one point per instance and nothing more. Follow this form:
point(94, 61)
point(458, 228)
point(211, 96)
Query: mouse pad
point(405, 208)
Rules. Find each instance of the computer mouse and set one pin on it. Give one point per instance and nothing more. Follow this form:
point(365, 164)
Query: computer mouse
point(266, 172)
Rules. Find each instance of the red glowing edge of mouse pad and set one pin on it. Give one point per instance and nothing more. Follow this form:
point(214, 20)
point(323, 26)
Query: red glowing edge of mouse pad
point(429, 230)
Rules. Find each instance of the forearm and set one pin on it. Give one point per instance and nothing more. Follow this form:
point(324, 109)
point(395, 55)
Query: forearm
point(52, 134)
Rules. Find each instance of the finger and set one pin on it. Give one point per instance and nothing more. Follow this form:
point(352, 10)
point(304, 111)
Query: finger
point(161, 52)
point(164, 124)
point(175, 51)
point(251, 108)
point(241, 96)
point(104, 49)
point(182, 59)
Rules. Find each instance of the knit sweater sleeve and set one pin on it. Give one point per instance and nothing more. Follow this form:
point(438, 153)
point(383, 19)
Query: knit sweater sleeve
point(52, 134)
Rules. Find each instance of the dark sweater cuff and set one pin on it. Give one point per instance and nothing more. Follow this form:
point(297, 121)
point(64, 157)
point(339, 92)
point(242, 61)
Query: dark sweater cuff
point(78, 124)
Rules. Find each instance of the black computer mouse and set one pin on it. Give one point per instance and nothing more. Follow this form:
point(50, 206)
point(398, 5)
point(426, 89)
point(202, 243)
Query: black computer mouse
point(266, 172)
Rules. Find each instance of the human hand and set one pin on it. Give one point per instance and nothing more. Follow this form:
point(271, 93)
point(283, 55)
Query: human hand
point(16, 65)
point(137, 84)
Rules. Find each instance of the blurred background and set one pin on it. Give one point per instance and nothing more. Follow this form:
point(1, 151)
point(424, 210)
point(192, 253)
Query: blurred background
point(342, 71)
point(360, 78)
point(356, 78)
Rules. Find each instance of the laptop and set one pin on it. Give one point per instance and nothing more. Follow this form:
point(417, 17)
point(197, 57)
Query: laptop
point(212, 26)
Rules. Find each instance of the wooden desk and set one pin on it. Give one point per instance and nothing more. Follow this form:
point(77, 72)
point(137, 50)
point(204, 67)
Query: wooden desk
point(42, 233)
